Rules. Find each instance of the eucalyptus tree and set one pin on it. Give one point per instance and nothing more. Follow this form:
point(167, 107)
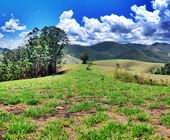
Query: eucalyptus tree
point(56, 39)
point(40, 56)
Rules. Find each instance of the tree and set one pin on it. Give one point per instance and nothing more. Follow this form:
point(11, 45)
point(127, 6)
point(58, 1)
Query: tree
point(163, 70)
point(56, 39)
point(84, 57)
point(40, 56)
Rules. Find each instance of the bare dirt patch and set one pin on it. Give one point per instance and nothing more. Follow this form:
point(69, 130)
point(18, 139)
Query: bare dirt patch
point(70, 131)
point(1, 134)
point(118, 118)
point(15, 109)
point(162, 131)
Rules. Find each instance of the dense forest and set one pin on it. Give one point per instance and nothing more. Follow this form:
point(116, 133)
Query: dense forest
point(40, 56)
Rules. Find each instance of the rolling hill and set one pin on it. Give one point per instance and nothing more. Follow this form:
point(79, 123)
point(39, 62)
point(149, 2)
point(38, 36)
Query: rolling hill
point(83, 105)
point(158, 52)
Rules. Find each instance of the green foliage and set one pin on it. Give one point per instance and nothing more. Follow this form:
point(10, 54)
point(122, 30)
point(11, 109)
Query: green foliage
point(84, 57)
point(163, 70)
point(32, 101)
point(36, 112)
point(165, 119)
point(53, 131)
point(40, 56)
point(95, 119)
point(21, 128)
point(113, 50)
point(142, 130)
point(130, 111)
point(154, 105)
point(110, 131)
point(18, 130)
point(127, 77)
point(96, 94)
point(5, 117)
point(135, 113)
point(83, 106)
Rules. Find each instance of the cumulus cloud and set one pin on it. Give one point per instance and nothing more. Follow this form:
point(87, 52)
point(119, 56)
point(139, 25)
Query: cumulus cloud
point(160, 4)
point(24, 34)
point(142, 15)
point(94, 30)
point(10, 43)
point(144, 27)
point(1, 35)
point(13, 25)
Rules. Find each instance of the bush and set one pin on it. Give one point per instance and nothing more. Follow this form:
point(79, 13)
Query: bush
point(84, 57)
point(127, 77)
point(162, 70)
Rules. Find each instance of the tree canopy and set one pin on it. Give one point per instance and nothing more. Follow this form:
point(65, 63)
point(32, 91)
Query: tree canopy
point(40, 56)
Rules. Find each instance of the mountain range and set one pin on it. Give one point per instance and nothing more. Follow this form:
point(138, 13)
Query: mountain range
point(157, 52)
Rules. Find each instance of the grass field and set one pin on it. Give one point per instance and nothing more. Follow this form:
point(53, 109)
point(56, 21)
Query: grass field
point(83, 105)
point(136, 67)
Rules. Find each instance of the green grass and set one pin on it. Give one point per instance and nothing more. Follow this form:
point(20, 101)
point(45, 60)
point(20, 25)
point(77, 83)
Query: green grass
point(135, 113)
point(154, 106)
point(95, 119)
point(36, 112)
point(54, 130)
point(83, 106)
point(165, 119)
point(87, 99)
point(142, 130)
point(114, 130)
point(110, 131)
point(19, 130)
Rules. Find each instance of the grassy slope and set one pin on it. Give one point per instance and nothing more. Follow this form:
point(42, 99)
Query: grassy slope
point(83, 104)
point(136, 67)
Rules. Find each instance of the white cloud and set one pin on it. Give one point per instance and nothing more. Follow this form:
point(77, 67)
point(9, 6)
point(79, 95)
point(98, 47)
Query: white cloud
point(13, 25)
point(10, 43)
point(144, 27)
point(66, 15)
point(160, 4)
point(94, 31)
point(1, 35)
point(24, 34)
point(141, 14)
point(116, 23)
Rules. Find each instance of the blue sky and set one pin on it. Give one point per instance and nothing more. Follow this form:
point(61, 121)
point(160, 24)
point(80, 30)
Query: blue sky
point(39, 13)
point(114, 17)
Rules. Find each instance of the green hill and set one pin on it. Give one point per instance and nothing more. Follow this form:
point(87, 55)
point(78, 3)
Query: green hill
point(111, 50)
point(83, 104)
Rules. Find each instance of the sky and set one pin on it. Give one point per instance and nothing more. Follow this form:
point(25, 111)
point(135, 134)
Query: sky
point(87, 22)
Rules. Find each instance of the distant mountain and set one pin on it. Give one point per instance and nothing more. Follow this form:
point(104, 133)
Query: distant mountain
point(158, 52)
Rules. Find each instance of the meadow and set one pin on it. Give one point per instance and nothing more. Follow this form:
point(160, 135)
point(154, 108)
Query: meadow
point(84, 104)
point(140, 68)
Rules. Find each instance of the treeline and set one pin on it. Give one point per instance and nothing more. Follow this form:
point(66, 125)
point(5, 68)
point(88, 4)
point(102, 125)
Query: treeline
point(40, 56)
point(165, 70)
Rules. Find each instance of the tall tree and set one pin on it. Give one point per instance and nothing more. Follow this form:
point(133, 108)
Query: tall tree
point(40, 56)
point(55, 39)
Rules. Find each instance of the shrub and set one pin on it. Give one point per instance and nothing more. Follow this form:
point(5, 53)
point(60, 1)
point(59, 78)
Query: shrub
point(84, 57)
point(127, 77)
